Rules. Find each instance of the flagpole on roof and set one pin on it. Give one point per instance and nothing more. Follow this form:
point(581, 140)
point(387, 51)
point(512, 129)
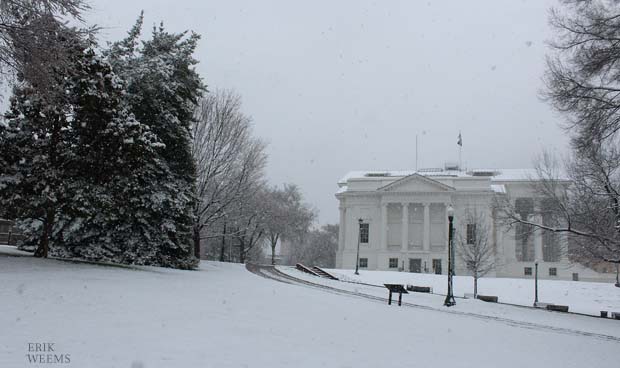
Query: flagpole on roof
point(460, 143)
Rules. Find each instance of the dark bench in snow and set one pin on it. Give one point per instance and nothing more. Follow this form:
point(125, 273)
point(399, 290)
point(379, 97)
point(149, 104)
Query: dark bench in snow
point(420, 289)
point(488, 298)
point(557, 308)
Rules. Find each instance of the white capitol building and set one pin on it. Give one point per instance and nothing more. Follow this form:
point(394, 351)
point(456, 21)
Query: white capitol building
point(404, 222)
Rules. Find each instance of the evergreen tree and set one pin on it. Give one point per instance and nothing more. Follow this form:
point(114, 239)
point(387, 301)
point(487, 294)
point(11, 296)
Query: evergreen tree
point(163, 90)
point(35, 150)
point(121, 196)
point(87, 175)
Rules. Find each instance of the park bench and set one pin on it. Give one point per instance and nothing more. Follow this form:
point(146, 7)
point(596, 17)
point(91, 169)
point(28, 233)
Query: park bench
point(557, 308)
point(420, 289)
point(488, 298)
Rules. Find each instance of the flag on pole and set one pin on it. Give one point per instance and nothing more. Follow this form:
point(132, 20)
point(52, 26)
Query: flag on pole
point(460, 141)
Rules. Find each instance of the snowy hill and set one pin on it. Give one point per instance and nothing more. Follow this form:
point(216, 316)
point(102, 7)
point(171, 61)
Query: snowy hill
point(224, 316)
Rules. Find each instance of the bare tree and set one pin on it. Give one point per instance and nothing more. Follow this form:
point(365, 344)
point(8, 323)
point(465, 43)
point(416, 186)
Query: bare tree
point(287, 215)
point(316, 247)
point(248, 221)
point(582, 204)
point(229, 160)
point(582, 82)
point(474, 247)
point(583, 73)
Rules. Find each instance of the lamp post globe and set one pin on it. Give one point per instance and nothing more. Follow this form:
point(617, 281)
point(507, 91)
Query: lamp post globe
point(359, 238)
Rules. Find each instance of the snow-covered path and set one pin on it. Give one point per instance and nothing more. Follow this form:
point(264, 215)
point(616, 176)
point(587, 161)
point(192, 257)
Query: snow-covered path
point(224, 316)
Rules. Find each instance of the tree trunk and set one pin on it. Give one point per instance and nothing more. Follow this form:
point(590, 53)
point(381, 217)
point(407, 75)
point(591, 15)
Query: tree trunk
point(241, 251)
point(475, 287)
point(223, 246)
point(43, 248)
point(197, 242)
point(273, 254)
point(617, 274)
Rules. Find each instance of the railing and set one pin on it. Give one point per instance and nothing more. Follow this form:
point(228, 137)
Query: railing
point(10, 238)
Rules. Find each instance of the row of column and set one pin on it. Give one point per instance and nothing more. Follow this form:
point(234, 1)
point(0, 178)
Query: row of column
point(426, 240)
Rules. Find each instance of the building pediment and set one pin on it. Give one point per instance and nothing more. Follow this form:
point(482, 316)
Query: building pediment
point(416, 183)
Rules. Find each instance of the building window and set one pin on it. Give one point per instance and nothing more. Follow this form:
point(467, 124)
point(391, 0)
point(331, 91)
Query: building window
point(527, 271)
point(363, 262)
point(471, 233)
point(393, 262)
point(364, 233)
point(524, 247)
point(553, 271)
point(437, 266)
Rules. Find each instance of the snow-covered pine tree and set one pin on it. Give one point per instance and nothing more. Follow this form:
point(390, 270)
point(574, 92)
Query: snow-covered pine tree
point(85, 174)
point(35, 149)
point(120, 188)
point(163, 91)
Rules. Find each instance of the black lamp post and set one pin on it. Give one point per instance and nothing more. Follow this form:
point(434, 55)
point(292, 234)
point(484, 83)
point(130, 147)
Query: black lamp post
point(535, 282)
point(450, 295)
point(359, 238)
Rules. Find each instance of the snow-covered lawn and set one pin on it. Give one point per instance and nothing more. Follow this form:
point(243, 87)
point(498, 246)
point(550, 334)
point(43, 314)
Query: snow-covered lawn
point(224, 316)
point(582, 297)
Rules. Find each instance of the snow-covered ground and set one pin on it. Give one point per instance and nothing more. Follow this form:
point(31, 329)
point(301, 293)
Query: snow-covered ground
point(582, 297)
point(224, 316)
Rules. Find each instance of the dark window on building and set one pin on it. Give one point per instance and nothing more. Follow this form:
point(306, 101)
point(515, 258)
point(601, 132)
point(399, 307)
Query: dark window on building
point(524, 233)
point(363, 262)
point(575, 277)
point(527, 271)
point(553, 271)
point(551, 242)
point(393, 262)
point(364, 233)
point(471, 233)
point(415, 265)
point(437, 266)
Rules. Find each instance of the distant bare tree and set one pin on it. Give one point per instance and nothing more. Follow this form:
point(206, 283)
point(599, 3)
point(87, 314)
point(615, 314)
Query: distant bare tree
point(248, 222)
point(229, 160)
point(287, 215)
point(475, 248)
point(316, 247)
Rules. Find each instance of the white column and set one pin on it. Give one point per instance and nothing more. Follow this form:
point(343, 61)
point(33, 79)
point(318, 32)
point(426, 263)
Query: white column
point(384, 229)
point(563, 240)
point(405, 228)
point(427, 227)
point(342, 227)
point(538, 251)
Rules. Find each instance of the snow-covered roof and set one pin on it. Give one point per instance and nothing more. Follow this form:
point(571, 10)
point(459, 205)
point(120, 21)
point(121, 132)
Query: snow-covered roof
point(498, 188)
point(494, 174)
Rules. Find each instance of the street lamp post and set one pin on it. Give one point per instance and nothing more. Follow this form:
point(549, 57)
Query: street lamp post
point(450, 296)
point(535, 282)
point(359, 236)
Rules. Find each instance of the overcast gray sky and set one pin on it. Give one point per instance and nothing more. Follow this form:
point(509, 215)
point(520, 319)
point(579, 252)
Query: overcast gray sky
point(335, 86)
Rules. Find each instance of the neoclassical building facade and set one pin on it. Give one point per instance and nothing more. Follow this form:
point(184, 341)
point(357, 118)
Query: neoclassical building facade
point(400, 219)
